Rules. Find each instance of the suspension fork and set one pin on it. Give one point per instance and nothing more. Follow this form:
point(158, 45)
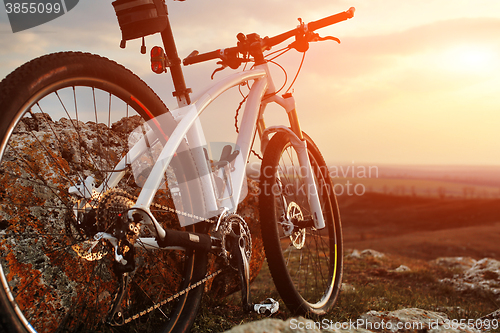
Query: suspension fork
point(300, 145)
point(292, 116)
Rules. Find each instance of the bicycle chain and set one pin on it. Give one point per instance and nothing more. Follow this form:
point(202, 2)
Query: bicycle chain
point(171, 298)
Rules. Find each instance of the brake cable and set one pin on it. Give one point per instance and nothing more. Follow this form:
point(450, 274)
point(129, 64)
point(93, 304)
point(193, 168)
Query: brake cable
point(298, 71)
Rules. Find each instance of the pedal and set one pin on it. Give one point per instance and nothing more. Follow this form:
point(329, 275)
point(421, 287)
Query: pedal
point(267, 307)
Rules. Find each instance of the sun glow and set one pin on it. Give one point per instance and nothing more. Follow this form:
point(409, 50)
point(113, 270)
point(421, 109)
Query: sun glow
point(469, 58)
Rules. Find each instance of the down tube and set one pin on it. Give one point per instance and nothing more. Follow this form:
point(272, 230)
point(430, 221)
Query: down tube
point(245, 139)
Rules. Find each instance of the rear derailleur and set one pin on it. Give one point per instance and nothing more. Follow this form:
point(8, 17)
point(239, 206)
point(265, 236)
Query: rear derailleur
point(126, 232)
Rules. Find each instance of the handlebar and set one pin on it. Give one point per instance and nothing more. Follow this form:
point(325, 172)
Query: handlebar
point(269, 42)
point(312, 26)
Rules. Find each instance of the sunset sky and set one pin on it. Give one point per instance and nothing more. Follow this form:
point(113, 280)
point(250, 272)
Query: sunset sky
point(413, 82)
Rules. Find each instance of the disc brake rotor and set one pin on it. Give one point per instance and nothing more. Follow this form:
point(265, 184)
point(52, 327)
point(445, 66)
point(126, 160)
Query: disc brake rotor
point(298, 237)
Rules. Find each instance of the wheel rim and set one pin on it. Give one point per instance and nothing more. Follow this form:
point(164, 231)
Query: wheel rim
point(49, 283)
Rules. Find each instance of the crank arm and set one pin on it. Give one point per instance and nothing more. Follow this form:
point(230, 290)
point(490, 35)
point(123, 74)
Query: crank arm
point(269, 306)
point(238, 248)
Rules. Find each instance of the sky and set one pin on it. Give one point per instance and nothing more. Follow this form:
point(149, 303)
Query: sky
point(412, 82)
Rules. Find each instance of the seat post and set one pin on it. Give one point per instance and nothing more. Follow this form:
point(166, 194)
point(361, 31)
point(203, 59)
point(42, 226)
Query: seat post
point(181, 91)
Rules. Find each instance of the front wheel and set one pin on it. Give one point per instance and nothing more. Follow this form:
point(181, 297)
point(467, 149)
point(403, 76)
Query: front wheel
point(305, 263)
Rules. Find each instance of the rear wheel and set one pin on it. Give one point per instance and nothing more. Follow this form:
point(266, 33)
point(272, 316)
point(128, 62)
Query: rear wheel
point(305, 263)
point(65, 118)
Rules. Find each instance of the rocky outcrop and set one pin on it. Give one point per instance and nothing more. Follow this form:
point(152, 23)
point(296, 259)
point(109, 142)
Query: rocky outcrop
point(412, 320)
point(404, 320)
point(459, 263)
point(476, 276)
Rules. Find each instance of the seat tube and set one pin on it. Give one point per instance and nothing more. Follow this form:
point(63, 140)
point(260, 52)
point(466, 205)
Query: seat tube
point(181, 91)
point(196, 139)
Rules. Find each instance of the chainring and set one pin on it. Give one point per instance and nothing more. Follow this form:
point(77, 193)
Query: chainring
point(234, 225)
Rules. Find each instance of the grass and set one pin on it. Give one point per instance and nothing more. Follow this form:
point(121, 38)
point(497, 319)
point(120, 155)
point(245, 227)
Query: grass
point(376, 287)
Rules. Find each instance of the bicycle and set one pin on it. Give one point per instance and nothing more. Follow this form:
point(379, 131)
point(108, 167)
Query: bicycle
point(112, 221)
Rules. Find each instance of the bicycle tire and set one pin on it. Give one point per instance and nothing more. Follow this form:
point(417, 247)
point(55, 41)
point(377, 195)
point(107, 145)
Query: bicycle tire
point(46, 284)
point(306, 269)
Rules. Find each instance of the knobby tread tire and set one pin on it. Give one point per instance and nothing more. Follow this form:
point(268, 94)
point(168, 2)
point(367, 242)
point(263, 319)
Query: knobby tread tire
point(29, 79)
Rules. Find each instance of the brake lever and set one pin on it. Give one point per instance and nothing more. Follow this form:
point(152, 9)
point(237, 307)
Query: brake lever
point(318, 38)
point(301, 44)
point(223, 66)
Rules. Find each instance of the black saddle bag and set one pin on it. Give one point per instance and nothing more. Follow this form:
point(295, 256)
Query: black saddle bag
point(139, 18)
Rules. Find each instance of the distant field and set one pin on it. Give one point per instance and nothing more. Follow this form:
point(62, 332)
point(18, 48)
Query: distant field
point(414, 187)
point(430, 181)
point(421, 227)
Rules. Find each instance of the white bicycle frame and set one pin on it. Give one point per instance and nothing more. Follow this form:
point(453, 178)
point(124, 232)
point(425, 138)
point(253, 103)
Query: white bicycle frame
point(189, 128)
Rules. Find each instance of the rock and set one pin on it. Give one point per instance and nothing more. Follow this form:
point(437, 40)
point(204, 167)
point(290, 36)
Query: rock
point(411, 320)
point(460, 263)
point(404, 320)
point(366, 253)
point(271, 325)
point(347, 288)
point(401, 268)
point(482, 277)
point(91, 147)
point(292, 325)
point(354, 254)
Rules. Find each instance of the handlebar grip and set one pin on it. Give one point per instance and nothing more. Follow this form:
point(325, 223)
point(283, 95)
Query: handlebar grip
point(190, 60)
point(315, 25)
